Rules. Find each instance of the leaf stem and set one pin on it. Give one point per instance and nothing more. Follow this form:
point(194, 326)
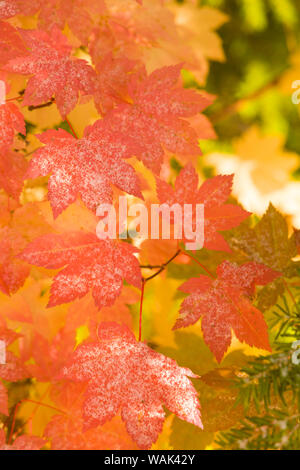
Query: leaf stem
point(15, 98)
point(200, 264)
point(72, 129)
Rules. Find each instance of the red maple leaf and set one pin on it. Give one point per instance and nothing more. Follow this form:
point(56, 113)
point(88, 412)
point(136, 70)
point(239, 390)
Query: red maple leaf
point(3, 400)
point(13, 271)
point(22, 442)
point(213, 194)
point(113, 78)
point(11, 44)
point(126, 374)
point(66, 430)
point(11, 120)
point(49, 356)
point(9, 8)
point(87, 166)
point(80, 15)
point(100, 265)
point(13, 167)
point(154, 120)
point(54, 72)
point(8, 336)
point(25, 224)
point(224, 304)
point(13, 370)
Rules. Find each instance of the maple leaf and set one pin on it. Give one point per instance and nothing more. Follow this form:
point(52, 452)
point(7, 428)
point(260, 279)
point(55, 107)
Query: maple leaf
point(11, 44)
point(100, 265)
point(80, 15)
point(268, 242)
point(199, 44)
point(155, 119)
point(9, 8)
point(49, 356)
point(13, 167)
point(126, 374)
point(65, 430)
point(23, 442)
point(25, 224)
point(3, 400)
point(13, 370)
point(224, 304)
point(8, 336)
point(11, 120)
point(87, 166)
point(212, 194)
point(258, 157)
point(13, 271)
point(53, 71)
point(113, 78)
point(85, 312)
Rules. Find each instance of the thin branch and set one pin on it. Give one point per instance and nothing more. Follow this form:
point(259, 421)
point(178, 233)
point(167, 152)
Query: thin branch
point(162, 267)
point(234, 107)
point(141, 309)
point(44, 105)
point(150, 266)
point(200, 264)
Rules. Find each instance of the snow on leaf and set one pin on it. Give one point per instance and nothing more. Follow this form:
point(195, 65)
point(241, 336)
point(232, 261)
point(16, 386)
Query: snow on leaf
point(89, 264)
point(224, 304)
point(213, 193)
point(65, 430)
point(28, 443)
point(126, 374)
point(87, 166)
point(113, 77)
point(13, 370)
point(9, 8)
point(155, 119)
point(23, 442)
point(54, 72)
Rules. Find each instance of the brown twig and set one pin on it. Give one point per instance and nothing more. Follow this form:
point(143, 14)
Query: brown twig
point(39, 106)
point(162, 267)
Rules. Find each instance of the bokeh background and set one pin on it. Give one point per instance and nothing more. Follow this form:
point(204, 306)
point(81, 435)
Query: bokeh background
point(256, 123)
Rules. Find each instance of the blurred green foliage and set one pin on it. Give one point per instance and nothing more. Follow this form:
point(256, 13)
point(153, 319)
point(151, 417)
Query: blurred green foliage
point(259, 41)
